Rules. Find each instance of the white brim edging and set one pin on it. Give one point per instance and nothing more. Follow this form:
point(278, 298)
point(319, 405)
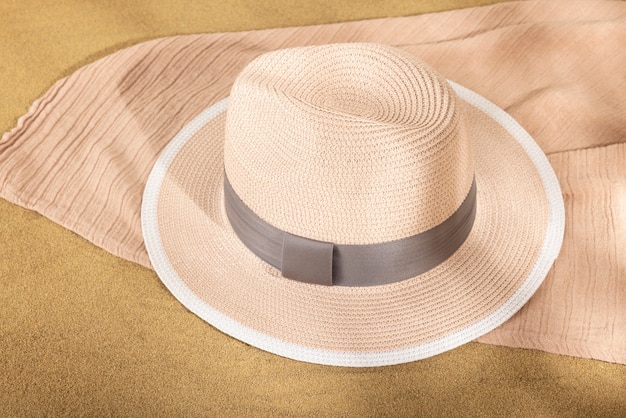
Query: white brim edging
point(547, 255)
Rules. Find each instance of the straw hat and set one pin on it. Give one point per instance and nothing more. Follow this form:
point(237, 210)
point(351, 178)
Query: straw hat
point(349, 206)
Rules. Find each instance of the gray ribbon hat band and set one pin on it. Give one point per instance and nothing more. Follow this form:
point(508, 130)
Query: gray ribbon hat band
point(326, 263)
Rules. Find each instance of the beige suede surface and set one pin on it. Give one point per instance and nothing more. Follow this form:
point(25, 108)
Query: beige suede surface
point(85, 333)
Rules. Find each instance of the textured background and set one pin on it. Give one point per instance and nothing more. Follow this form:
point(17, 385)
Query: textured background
point(72, 342)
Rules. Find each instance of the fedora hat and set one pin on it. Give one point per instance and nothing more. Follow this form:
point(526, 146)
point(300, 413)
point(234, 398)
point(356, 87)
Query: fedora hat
point(347, 205)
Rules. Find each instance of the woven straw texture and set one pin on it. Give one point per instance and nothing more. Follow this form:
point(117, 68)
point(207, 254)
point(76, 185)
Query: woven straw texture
point(361, 130)
point(217, 277)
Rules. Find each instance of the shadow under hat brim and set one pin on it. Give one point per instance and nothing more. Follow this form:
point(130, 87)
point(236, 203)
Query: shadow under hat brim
point(516, 237)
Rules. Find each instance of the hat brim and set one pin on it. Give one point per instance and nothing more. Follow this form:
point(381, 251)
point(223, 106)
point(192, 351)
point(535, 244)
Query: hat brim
point(516, 237)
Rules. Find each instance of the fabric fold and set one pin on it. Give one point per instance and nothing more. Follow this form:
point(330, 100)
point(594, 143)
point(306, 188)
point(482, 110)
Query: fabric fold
point(83, 152)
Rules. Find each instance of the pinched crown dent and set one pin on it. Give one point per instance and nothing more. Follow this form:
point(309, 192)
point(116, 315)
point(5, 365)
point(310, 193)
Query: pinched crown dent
point(348, 143)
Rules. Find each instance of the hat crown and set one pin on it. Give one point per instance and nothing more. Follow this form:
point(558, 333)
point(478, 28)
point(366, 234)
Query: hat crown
point(347, 143)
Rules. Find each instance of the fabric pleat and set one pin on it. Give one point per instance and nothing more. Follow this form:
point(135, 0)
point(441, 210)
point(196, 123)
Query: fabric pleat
point(82, 154)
